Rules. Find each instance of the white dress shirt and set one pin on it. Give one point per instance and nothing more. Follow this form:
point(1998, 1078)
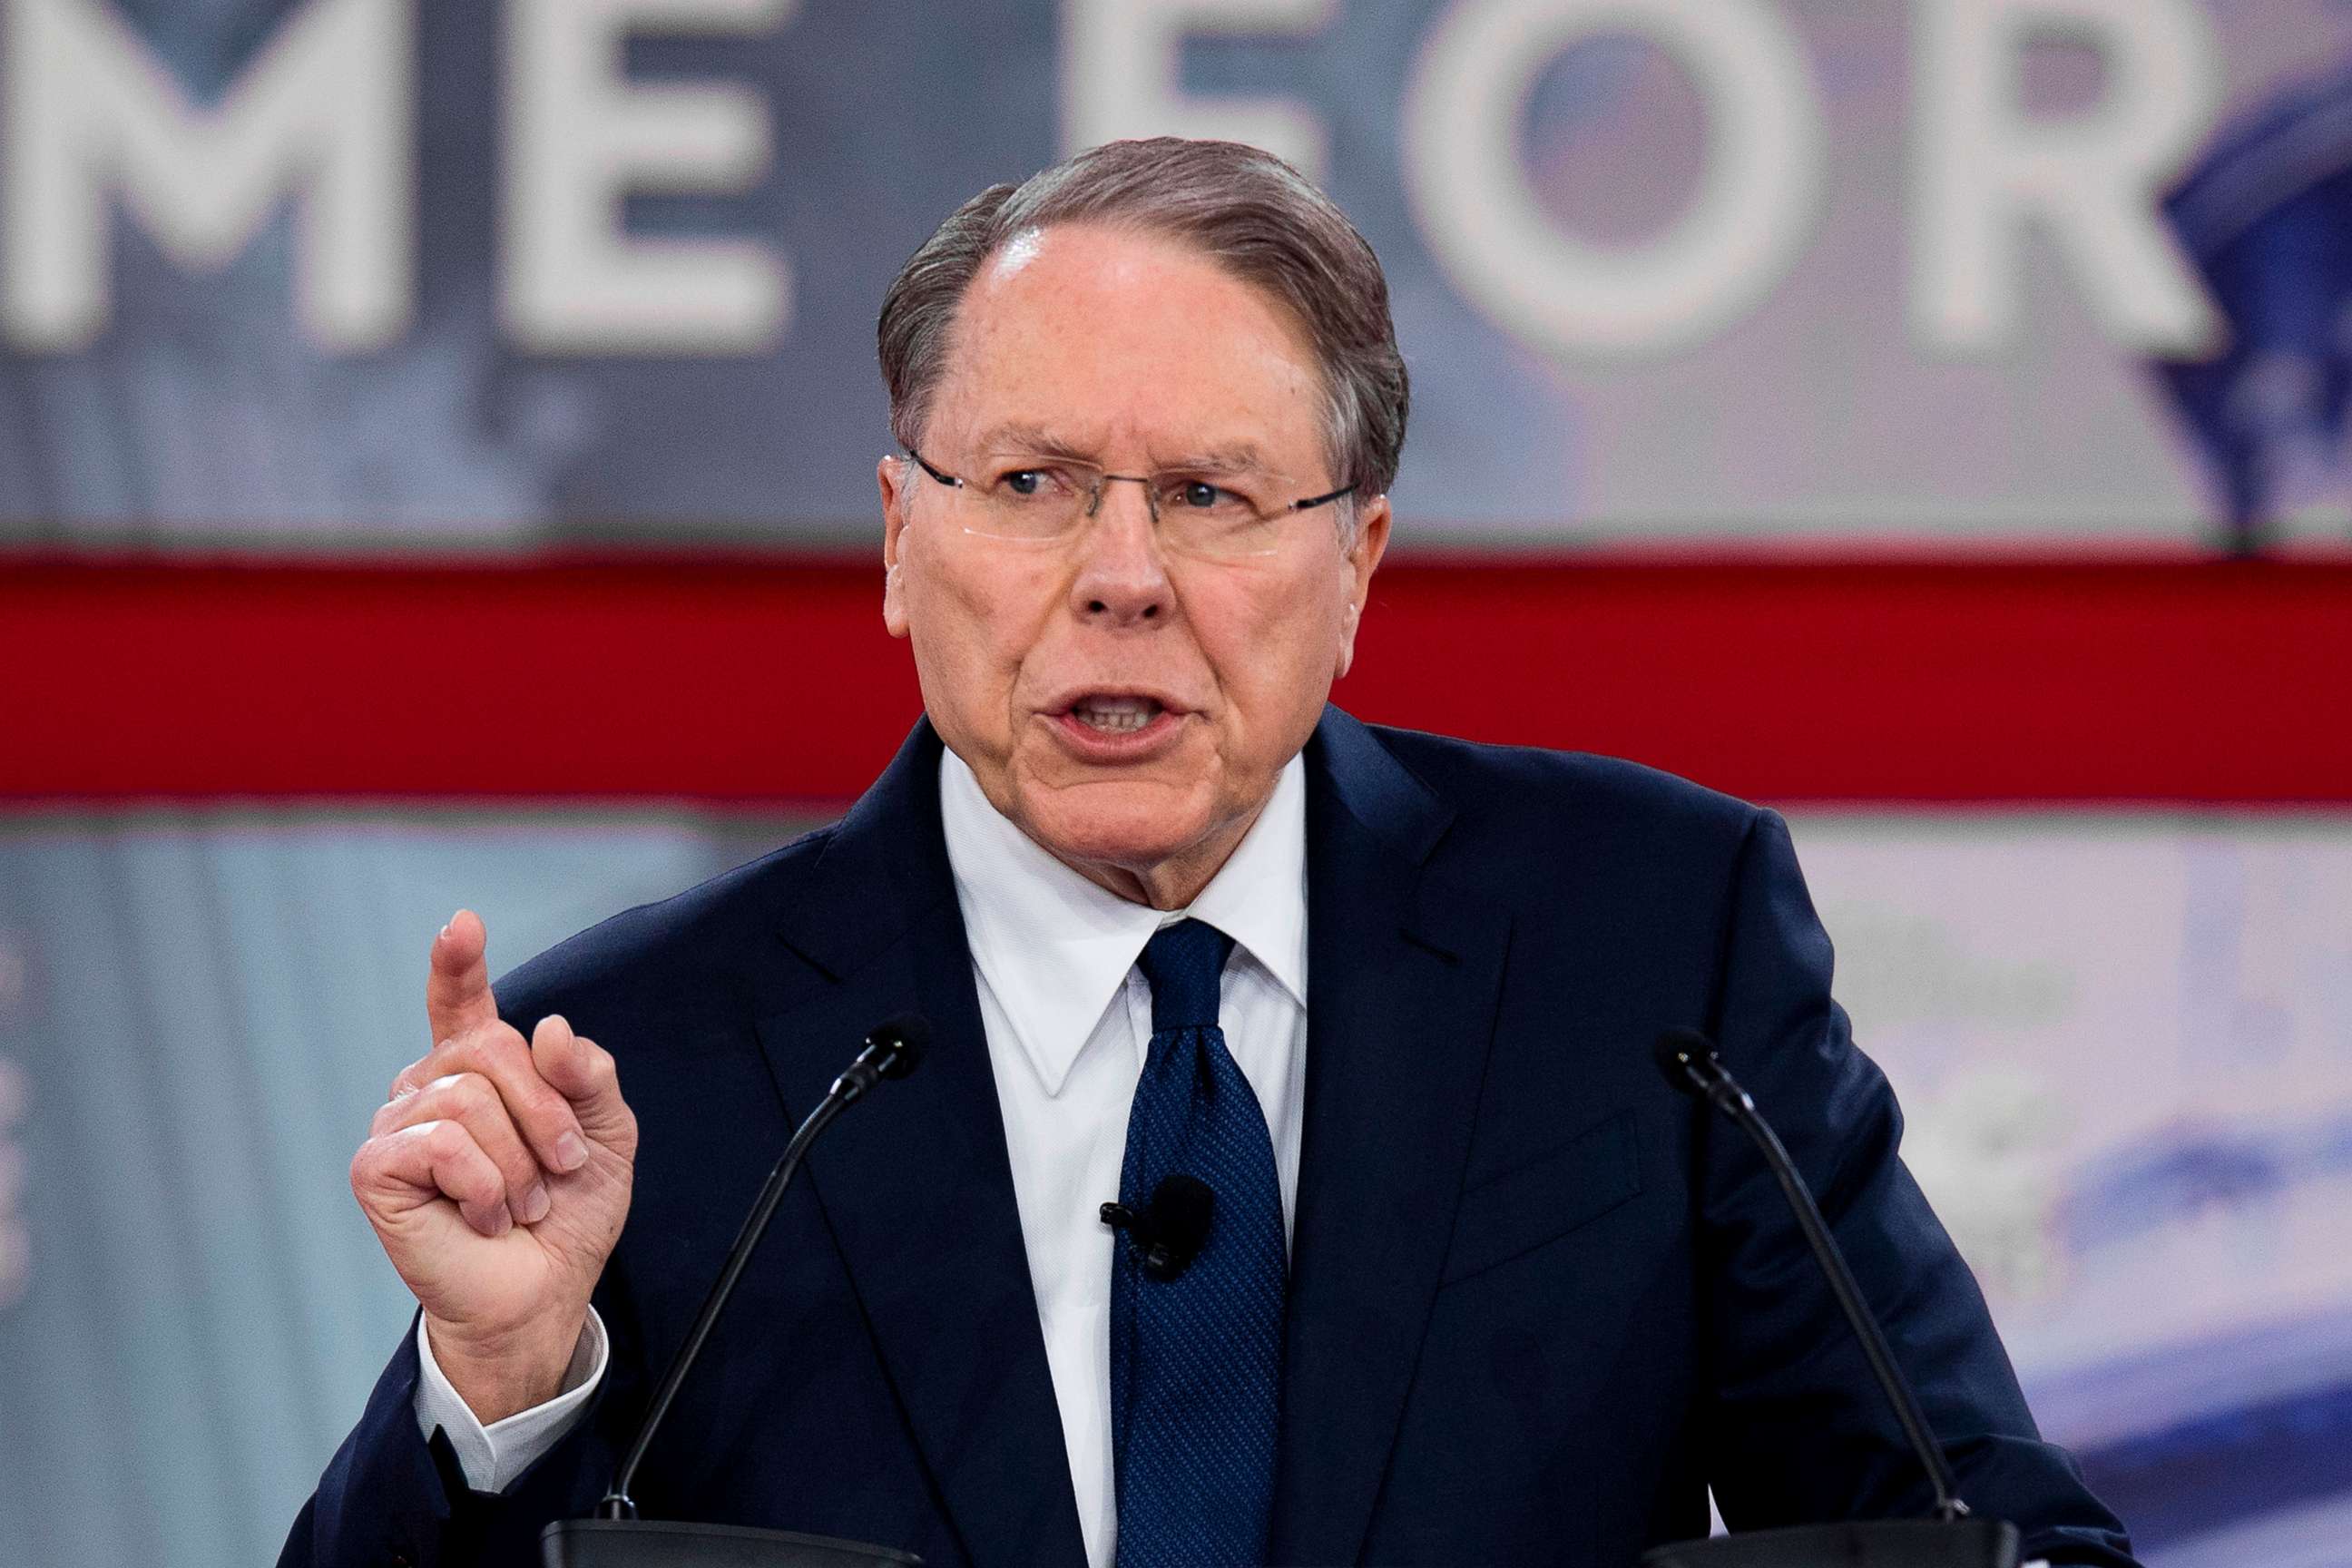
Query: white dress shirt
point(1068, 1020)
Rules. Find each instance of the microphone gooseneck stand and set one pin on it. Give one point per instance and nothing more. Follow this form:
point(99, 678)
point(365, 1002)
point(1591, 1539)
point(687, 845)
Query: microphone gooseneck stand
point(1951, 1539)
point(616, 1536)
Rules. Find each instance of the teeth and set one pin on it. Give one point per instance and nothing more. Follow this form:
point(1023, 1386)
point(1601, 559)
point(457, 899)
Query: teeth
point(1115, 715)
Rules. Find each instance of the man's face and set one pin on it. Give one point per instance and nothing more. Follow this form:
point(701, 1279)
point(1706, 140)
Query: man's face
point(1137, 355)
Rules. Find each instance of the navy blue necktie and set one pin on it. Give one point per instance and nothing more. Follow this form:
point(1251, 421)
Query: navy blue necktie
point(1195, 1361)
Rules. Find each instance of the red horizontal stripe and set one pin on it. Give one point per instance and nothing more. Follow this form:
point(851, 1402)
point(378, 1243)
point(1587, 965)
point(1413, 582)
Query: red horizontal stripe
point(743, 680)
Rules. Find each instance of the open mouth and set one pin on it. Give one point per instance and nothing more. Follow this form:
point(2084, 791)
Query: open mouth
point(1109, 715)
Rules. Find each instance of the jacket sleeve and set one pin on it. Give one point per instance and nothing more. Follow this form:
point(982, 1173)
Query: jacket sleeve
point(392, 1498)
point(1797, 1430)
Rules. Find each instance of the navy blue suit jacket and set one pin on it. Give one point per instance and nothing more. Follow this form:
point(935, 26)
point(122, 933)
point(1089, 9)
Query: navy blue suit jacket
point(1539, 1302)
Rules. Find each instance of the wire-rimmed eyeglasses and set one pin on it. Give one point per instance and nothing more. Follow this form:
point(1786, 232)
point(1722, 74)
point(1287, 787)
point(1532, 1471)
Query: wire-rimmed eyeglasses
point(1047, 500)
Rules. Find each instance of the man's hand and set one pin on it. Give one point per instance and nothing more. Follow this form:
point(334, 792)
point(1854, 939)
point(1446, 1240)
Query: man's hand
point(496, 1176)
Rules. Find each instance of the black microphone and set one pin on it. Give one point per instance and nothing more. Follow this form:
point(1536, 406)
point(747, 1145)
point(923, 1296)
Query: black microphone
point(892, 1049)
point(1688, 1059)
point(1171, 1227)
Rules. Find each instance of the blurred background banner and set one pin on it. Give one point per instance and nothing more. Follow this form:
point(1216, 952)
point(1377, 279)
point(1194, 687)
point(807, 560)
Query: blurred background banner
point(416, 416)
point(392, 273)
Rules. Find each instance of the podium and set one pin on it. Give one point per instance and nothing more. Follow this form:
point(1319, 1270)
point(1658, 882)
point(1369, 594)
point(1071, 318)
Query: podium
point(1902, 1543)
point(1882, 1544)
point(667, 1543)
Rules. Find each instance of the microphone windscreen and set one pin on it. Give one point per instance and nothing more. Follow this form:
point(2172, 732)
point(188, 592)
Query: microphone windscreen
point(1682, 1056)
point(909, 1035)
point(1182, 1208)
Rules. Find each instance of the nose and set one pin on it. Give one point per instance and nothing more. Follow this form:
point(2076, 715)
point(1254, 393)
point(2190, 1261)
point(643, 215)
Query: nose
point(1121, 580)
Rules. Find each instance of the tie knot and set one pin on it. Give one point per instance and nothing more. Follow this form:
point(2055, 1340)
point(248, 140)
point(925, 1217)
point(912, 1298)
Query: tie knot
point(1181, 963)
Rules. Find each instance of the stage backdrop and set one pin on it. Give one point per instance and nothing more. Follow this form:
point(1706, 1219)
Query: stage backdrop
point(1973, 272)
point(436, 449)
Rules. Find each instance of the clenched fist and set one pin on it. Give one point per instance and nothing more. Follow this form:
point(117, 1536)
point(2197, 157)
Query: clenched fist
point(496, 1176)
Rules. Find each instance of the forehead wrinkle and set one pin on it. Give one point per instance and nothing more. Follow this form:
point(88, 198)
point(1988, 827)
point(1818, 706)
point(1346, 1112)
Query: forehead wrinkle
point(1052, 304)
point(1022, 437)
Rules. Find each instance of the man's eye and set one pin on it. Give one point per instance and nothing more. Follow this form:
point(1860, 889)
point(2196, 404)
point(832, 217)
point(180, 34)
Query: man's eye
point(1025, 481)
point(1194, 493)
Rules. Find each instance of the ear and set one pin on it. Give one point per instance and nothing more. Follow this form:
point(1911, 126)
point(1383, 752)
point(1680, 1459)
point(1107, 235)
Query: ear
point(1361, 560)
point(890, 473)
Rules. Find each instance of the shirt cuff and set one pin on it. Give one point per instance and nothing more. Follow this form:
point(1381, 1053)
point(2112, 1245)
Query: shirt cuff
point(494, 1455)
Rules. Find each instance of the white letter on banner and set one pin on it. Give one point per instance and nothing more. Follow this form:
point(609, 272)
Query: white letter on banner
point(1984, 170)
point(323, 111)
point(1120, 75)
point(1752, 215)
point(580, 137)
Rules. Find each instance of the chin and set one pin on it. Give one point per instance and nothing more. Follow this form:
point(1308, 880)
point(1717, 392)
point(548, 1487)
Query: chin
point(1132, 825)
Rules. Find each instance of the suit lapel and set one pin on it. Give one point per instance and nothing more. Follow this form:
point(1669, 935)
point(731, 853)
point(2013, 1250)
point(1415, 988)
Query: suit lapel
point(918, 1187)
point(1405, 974)
point(1403, 978)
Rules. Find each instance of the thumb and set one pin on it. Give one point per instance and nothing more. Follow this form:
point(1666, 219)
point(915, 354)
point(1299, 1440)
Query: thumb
point(458, 988)
point(583, 1072)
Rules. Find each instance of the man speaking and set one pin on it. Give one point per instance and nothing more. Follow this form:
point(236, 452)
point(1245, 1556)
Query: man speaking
point(1477, 1288)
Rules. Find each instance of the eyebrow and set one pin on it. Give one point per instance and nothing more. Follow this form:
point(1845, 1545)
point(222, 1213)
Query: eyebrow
point(1241, 457)
point(1033, 440)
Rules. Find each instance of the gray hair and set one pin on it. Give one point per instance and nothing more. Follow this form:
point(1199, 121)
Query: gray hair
point(1245, 209)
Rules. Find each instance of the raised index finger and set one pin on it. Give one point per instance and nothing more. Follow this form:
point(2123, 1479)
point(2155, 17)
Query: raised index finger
point(458, 997)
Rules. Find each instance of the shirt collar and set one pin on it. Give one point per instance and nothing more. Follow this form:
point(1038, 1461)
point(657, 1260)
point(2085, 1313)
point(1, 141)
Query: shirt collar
point(1054, 947)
